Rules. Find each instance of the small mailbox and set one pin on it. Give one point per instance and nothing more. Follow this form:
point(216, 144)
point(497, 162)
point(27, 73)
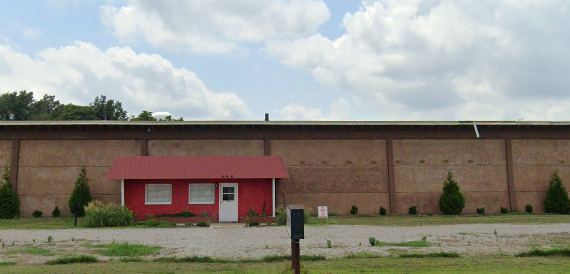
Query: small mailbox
point(295, 222)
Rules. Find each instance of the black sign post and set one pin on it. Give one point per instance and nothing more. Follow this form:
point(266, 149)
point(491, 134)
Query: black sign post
point(296, 230)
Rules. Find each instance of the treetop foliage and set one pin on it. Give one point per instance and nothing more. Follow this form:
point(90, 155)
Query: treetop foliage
point(22, 106)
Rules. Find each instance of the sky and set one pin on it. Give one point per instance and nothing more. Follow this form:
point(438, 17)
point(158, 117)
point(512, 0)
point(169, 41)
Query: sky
point(346, 60)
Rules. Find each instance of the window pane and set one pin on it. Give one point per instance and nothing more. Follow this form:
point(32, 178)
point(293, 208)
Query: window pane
point(228, 189)
point(149, 193)
point(202, 193)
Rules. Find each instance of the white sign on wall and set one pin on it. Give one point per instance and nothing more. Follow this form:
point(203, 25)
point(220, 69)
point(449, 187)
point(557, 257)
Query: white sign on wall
point(323, 212)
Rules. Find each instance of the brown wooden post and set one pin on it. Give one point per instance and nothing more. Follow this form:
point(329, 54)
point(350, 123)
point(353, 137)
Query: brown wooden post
point(510, 174)
point(15, 162)
point(144, 147)
point(296, 256)
point(391, 179)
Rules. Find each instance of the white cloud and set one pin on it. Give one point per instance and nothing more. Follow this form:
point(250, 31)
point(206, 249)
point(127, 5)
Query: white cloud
point(213, 26)
point(80, 72)
point(339, 110)
point(445, 59)
point(32, 33)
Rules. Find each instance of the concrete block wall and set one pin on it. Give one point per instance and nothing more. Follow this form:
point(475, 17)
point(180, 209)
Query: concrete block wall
point(421, 167)
point(534, 162)
point(48, 170)
point(336, 173)
point(5, 154)
point(204, 147)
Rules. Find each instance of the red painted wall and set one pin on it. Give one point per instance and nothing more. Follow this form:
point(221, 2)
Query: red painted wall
point(250, 192)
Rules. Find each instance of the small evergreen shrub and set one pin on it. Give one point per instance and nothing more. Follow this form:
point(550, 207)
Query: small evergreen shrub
point(504, 210)
point(451, 201)
point(382, 211)
point(281, 217)
point(353, 210)
point(37, 214)
point(253, 223)
point(556, 200)
point(372, 241)
point(80, 194)
point(9, 201)
point(55, 213)
point(481, 210)
point(98, 214)
point(413, 210)
point(329, 243)
point(204, 224)
point(528, 208)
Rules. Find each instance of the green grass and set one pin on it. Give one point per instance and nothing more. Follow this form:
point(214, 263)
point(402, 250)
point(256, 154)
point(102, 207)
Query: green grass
point(127, 250)
point(511, 218)
point(431, 255)
point(41, 223)
point(72, 260)
point(210, 260)
point(565, 252)
point(488, 264)
point(7, 263)
point(405, 244)
point(32, 250)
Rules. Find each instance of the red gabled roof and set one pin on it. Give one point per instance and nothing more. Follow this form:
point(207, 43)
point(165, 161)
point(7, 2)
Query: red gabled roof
point(197, 167)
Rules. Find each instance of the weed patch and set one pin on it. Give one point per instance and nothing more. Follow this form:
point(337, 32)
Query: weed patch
point(128, 250)
point(131, 260)
point(7, 263)
point(73, 260)
point(33, 251)
point(422, 243)
point(190, 259)
point(431, 255)
point(283, 258)
point(546, 253)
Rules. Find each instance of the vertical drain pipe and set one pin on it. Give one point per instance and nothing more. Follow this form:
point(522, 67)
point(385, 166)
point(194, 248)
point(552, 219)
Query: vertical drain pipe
point(476, 130)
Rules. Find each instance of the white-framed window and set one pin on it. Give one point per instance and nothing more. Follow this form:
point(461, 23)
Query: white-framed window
point(202, 194)
point(158, 194)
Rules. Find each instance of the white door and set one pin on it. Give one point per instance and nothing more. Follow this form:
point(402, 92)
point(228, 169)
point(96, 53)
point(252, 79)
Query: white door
point(229, 202)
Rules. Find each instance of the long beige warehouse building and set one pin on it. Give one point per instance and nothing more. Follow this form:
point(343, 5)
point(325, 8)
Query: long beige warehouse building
point(337, 164)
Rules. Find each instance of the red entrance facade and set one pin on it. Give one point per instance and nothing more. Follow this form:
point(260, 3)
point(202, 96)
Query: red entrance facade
point(222, 186)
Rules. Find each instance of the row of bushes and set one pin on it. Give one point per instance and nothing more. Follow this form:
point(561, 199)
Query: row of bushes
point(452, 202)
point(10, 202)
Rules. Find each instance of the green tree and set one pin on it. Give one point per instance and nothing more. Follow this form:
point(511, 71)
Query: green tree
point(9, 201)
point(44, 109)
point(16, 106)
point(74, 112)
point(556, 200)
point(144, 116)
point(169, 118)
point(451, 201)
point(80, 194)
point(108, 109)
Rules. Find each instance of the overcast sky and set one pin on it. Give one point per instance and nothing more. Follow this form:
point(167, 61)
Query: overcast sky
point(295, 59)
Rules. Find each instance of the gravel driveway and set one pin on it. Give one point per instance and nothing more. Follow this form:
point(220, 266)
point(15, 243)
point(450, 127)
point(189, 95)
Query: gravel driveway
point(256, 242)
